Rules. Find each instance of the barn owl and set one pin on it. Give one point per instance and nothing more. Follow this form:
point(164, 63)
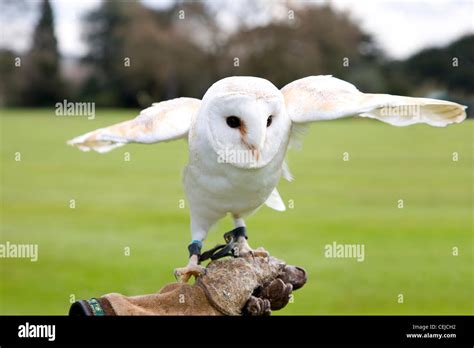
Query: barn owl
point(238, 135)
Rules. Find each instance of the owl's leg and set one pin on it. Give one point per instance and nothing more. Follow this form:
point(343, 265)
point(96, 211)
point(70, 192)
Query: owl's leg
point(193, 268)
point(244, 248)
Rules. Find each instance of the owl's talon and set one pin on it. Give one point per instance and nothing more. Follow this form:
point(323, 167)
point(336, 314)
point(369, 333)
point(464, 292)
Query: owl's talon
point(184, 274)
point(248, 252)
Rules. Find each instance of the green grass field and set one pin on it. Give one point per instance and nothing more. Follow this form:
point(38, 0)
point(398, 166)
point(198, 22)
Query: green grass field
point(135, 204)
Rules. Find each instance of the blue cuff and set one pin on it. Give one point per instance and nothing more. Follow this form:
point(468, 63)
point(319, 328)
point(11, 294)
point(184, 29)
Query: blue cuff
point(198, 242)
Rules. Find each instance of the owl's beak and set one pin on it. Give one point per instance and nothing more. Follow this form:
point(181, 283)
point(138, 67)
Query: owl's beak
point(255, 139)
point(255, 152)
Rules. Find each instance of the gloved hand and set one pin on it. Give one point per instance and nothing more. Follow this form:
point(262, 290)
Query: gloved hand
point(232, 286)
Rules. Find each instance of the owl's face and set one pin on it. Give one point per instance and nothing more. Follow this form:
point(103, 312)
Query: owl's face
point(247, 123)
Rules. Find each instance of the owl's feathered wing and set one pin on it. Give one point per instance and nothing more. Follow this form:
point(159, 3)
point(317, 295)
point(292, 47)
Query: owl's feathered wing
point(319, 98)
point(163, 121)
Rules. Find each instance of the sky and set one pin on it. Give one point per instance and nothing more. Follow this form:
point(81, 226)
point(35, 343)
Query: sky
point(400, 27)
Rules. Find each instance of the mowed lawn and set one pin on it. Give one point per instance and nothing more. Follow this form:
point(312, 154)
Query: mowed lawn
point(136, 204)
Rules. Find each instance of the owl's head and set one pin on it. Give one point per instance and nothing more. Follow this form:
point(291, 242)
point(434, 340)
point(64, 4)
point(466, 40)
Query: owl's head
point(246, 121)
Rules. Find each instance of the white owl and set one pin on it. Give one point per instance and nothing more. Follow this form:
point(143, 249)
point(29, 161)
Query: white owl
point(239, 133)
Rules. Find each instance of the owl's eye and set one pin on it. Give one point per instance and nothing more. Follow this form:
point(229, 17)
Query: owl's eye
point(269, 120)
point(233, 121)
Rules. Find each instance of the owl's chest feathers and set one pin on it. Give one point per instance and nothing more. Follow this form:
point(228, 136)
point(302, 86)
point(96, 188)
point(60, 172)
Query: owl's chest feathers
point(232, 188)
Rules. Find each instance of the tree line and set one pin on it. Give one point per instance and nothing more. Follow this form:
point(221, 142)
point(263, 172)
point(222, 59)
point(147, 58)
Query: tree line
point(138, 55)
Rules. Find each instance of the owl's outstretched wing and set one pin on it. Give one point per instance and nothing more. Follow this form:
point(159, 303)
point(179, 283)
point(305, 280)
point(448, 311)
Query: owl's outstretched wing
point(318, 98)
point(163, 121)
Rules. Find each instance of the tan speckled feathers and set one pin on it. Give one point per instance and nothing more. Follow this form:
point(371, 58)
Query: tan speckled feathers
point(163, 121)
